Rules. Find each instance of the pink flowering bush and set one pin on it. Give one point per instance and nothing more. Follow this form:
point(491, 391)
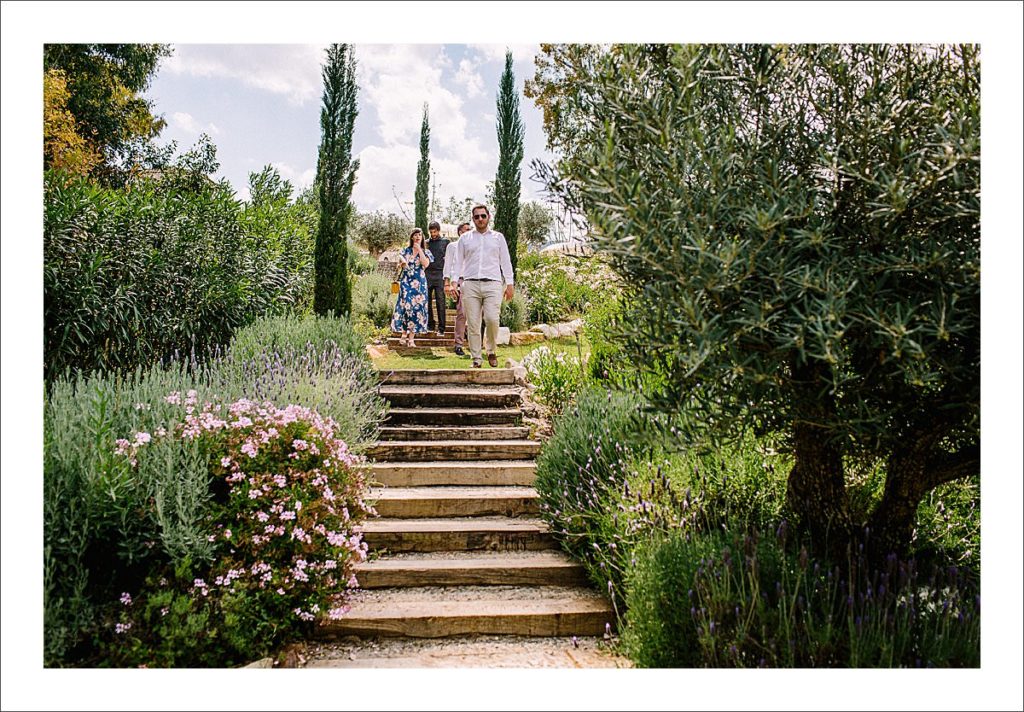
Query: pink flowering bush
point(288, 499)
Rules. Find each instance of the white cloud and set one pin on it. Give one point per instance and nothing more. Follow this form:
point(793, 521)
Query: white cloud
point(300, 179)
point(470, 79)
point(522, 54)
point(385, 172)
point(290, 70)
point(187, 123)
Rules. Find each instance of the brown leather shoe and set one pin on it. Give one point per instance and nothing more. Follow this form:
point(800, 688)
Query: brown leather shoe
point(492, 360)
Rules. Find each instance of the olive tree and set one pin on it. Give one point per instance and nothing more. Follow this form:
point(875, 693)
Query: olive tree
point(800, 226)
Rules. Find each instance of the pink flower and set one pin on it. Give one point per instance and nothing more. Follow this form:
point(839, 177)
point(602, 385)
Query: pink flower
point(225, 462)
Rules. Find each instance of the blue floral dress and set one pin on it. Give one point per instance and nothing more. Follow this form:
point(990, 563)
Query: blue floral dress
point(411, 307)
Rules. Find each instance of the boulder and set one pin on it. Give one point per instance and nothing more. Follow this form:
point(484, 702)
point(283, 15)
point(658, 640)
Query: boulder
point(538, 328)
point(503, 336)
point(520, 338)
point(519, 373)
point(566, 329)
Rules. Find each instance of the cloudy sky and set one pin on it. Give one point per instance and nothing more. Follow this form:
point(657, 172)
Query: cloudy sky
point(260, 104)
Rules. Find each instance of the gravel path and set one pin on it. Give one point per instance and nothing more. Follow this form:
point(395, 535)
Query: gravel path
point(470, 652)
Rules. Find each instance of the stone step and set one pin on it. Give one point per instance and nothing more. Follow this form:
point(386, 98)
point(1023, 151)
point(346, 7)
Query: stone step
point(418, 613)
point(469, 396)
point(467, 432)
point(455, 473)
point(432, 450)
point(457, 534)
point(529, 568)
point(455, 501)
point(466, 417)
point(418, 376)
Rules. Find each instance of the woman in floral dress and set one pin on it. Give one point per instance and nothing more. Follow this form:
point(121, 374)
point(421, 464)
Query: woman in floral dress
point(411, 308)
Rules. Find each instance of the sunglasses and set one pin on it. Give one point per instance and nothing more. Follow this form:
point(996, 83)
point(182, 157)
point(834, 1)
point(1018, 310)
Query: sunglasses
point(479, 217)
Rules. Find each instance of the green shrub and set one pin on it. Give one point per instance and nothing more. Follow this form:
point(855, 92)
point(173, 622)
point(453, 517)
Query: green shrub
point(556, 376)
point(372, 299)
point(292, 332)
point(559, 289)
point(107, 525)
point(130, 275)
point(101, 530)
point(724, 599)
point(513, 312)
point(360, 263)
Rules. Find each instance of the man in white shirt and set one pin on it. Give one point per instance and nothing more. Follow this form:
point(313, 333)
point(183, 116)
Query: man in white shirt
point(453, 288)
point(484, 264)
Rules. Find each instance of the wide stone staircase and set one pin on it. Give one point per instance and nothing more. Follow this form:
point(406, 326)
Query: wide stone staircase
point(458, 549)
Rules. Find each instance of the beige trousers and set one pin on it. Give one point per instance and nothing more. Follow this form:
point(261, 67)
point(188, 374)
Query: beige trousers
point(482, 299)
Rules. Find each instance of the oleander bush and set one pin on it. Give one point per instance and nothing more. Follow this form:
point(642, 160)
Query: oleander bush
point(131, 274)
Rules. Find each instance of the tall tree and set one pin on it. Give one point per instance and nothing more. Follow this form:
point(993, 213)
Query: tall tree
point(336, 176)
point(379, 231)
point(103, 83)
point(535, 221)
point(799, 227)
point(64, 146)
point(510, 156)
point(423, 172)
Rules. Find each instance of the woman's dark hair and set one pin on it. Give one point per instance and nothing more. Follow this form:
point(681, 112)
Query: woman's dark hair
point(413, 234)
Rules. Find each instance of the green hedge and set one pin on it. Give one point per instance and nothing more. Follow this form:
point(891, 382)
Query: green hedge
point(131, 275)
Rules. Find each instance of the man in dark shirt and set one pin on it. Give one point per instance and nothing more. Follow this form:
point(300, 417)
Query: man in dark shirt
point(435, 280)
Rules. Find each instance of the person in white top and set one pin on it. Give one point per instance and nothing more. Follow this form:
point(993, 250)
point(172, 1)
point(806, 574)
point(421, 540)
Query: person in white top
point(484, 264)
point(453, 288)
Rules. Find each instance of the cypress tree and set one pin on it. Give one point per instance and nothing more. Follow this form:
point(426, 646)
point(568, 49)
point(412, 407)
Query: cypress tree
point(336, 176)
point(510, 156)
point(423, 172)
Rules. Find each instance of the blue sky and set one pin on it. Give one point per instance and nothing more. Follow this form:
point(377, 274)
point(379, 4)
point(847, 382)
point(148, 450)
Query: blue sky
point(260, 104)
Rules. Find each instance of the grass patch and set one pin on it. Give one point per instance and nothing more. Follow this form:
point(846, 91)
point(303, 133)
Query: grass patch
point(444, 357)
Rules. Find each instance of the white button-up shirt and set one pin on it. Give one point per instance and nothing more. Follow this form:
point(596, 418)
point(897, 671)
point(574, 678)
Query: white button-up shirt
point(484, 255)
point(452, 261)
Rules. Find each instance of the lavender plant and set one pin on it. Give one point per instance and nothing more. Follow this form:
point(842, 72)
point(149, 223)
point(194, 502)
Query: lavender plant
point(721, 599)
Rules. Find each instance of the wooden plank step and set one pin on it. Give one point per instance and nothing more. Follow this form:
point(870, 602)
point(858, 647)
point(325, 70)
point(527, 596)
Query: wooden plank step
point(529, 568)
point(424, 342)
point(465, 432)
point(432, 450)
point(454, 416)
point(455, 501)
point(458, 534)
point(581, 613)
point(480, 473)
point(469, 396)
point(418, 376)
